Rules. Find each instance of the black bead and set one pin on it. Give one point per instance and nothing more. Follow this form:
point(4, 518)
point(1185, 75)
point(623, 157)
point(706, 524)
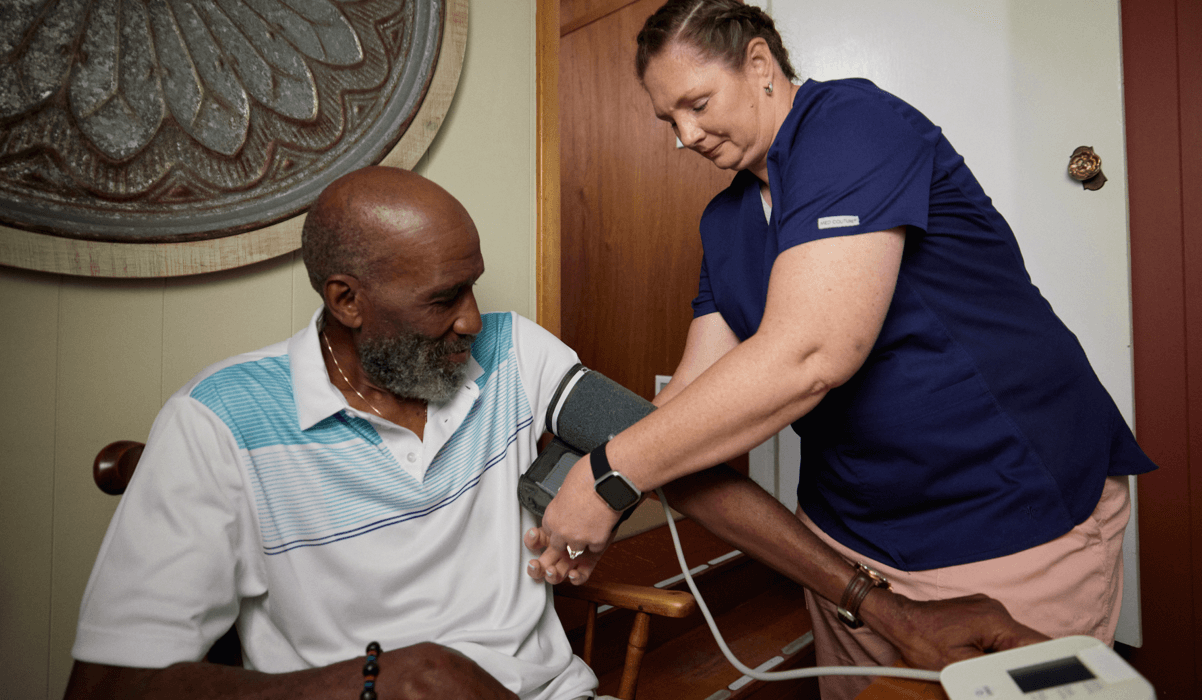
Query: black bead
point(367, 694)
point(371, 668)
point(374, 646)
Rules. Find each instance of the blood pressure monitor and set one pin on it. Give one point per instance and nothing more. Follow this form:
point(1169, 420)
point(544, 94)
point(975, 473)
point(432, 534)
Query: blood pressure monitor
point(1069, 667)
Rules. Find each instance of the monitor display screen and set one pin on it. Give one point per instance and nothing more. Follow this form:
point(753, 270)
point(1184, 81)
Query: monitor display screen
point(1050, 674)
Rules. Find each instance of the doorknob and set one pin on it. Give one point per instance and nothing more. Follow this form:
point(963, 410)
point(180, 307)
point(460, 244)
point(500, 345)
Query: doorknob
point(1086, 166)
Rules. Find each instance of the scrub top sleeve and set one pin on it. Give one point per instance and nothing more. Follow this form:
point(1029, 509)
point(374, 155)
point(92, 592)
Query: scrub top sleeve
point(854, 165)
point(703, 303)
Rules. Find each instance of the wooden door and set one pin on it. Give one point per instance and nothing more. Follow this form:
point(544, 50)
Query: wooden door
point(630, 203)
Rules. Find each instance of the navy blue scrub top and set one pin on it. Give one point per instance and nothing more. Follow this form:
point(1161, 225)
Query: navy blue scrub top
point(976, 428)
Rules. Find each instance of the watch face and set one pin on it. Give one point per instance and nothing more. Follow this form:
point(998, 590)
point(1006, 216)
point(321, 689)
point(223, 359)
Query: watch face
point(616, 491)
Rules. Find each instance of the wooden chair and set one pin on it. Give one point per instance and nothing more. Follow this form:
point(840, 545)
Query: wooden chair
point(116, 462)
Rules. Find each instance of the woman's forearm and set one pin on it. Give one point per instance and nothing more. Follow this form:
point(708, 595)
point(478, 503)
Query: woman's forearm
point(734, 406)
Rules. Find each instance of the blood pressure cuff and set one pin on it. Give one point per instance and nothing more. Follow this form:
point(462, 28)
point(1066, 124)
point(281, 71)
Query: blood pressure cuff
point(588, 409)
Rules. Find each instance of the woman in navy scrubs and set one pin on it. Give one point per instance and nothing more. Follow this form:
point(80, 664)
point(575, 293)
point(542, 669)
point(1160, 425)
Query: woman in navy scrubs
point(858, 284)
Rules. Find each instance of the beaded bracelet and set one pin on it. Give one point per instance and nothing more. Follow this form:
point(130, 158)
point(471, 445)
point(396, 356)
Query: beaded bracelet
point(371, 669)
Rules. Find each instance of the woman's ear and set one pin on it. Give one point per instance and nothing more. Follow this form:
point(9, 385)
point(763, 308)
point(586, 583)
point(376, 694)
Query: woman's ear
point(342, 295)
point(758, 60)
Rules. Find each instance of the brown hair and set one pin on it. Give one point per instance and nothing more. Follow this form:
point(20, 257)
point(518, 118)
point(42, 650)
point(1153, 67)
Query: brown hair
point(719, 29)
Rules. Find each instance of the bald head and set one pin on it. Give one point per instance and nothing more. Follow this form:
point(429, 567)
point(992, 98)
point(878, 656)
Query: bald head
point(373, 215)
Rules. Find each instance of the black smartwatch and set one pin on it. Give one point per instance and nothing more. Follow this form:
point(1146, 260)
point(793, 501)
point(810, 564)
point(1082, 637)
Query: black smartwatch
point(614, 488)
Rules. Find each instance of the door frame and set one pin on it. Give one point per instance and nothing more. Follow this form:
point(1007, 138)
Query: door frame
point(1162, 66)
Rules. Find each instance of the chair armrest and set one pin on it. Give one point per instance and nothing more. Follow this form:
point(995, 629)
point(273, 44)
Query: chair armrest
point(639, 598)
point(114, 465)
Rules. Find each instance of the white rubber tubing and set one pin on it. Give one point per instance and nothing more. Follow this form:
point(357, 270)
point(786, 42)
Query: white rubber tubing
point(914, 673)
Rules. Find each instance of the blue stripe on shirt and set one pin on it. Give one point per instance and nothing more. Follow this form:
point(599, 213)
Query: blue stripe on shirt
point(336, 480)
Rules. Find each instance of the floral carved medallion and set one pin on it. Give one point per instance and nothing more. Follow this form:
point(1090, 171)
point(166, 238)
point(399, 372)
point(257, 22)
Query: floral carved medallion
point(177, 121)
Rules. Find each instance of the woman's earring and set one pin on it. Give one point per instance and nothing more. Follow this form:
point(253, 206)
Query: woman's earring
point(768, 88)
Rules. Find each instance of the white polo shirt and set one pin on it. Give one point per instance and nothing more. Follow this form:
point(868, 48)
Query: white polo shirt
point(262, 497)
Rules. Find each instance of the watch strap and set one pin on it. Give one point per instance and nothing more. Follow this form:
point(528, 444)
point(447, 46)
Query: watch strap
point(600, 461)
point(862, 581)
point(600, 464)
point(622, 518)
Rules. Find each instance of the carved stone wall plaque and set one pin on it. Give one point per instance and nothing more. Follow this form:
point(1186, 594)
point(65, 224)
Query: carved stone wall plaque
point(171, 123)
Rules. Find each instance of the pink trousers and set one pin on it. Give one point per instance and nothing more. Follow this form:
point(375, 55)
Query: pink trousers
point(1071, 585)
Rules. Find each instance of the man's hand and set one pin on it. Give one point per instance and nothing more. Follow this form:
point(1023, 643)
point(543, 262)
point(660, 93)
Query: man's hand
point(934, 633)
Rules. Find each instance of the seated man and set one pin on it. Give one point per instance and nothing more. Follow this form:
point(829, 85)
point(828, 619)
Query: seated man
point(354, 483)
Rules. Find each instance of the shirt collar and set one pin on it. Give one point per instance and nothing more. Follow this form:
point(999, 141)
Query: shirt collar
point(317, 398)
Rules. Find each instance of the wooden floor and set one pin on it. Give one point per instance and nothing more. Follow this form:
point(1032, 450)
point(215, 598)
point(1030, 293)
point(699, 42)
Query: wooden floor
point(760, 613)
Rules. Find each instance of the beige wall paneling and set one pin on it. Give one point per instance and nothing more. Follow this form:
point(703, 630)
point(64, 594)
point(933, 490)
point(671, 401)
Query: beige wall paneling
point(29, 316)
point(211, 317)
point(304, 299)
point(108, 380)
point(484, 153)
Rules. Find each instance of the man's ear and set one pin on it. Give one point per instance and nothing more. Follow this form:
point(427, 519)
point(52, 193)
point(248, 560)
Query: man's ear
point(342, 296)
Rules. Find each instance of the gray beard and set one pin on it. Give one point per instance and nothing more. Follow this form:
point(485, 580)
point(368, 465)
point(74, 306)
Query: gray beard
point(413, 366)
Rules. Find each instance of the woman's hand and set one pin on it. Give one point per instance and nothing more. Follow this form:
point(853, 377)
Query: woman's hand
point(554, 566)
point(576, 517)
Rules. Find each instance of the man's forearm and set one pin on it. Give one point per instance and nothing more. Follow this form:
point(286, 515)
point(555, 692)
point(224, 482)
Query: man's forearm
point(424, 671)
point(737, 510)
point(928, 634)
point(204, 680)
